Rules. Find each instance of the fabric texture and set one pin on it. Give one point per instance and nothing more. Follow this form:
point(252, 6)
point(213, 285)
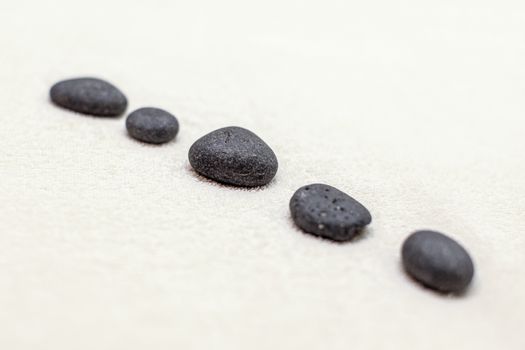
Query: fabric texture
point(414, 108)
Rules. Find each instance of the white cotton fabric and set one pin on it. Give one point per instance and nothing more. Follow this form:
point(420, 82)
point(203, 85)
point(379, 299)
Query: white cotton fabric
point(415, 108)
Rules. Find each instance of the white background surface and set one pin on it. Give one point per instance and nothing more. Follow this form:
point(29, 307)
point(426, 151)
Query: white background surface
point(415, 108)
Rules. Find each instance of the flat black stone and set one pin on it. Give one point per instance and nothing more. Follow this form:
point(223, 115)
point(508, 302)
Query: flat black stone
point(327, 212)
point(234, 156)
point(89, 96)
point(437, 261)
point(152, 125)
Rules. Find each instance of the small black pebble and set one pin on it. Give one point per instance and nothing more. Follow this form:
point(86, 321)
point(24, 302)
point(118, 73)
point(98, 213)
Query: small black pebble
point(437, 261)
point(234, 156)
point(327, 212)
point(152, 125)
point(89, 96)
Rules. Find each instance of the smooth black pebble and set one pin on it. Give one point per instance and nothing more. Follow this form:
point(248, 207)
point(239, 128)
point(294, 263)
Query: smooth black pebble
point(437, 261)
point(89, 96)
point(234, 156)
point(152, 125)
point(327, 212)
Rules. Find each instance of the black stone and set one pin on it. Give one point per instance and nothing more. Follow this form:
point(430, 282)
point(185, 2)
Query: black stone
point(327, 212)
point(89, 96)
point(437, 261)
point(234, 156)
point(152, 125)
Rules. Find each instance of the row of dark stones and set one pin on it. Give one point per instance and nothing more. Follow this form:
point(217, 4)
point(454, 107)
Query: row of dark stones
point(236, 156)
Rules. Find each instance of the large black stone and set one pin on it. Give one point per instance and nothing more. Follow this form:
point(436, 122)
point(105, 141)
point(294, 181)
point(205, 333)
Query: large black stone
point(234, 156)
point(89, 96)
point(152, 125)
point(327, 212)
point(437, 261)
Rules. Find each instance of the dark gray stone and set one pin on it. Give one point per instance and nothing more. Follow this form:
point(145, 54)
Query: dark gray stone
point(327, 212)
point(89, 96)
point(234, 156)
point(437, 261)
point(152, 125)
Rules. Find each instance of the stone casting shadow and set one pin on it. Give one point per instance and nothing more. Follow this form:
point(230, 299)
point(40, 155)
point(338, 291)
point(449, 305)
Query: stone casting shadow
point(449, 295)
point(204, 179)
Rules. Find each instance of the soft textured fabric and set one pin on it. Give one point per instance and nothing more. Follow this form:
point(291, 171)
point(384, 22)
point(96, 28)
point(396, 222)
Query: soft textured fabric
point(415, 108)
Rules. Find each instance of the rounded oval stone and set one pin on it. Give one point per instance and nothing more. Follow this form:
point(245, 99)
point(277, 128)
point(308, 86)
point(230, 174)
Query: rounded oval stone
point(437, 261)
point(152, 125)
point(89, 96)
point(327, 212)
point(234, 156)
